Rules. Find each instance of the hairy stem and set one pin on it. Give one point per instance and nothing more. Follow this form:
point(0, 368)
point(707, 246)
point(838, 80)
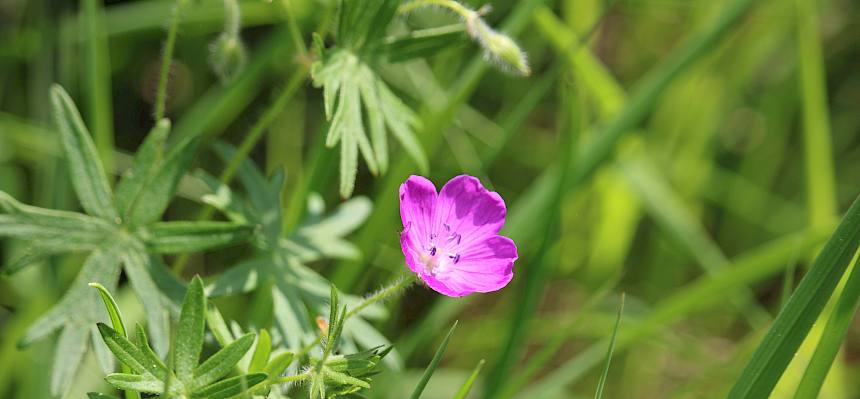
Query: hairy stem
point(452, 5)
point(394, 289)
point(167, 58)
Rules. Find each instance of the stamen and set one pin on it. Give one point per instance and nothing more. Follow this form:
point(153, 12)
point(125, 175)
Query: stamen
point(455, 257)
point(433, 251)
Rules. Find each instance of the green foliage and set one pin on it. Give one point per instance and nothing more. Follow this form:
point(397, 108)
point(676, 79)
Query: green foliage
point(298, 292)
point(148, 374)
point(654, 152)
point(431, 368)
point(118, 237)
point(795, 319)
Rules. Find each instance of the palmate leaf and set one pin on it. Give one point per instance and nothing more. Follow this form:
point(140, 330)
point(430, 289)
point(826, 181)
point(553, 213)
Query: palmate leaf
point(147, 187)
point(297, 291)
point(351, 88)
point(116, 242)
point(76, 314)
point(176, 237)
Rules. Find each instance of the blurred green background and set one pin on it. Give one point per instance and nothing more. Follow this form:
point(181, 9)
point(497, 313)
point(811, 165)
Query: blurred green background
point(691, 154)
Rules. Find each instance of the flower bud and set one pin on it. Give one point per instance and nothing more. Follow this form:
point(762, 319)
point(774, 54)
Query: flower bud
point(227, 57)
point(498, 48)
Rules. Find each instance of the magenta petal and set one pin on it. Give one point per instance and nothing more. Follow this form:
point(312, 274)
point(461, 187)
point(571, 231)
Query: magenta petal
point(485, 266)
point(469, 209)
point(417, 203)
point(408, 245)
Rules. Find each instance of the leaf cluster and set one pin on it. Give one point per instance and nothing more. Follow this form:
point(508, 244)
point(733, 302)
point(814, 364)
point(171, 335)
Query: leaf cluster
point(121, 230)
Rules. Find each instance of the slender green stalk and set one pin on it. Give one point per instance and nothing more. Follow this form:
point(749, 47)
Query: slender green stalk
point(167, 58)
point(388, 292)
point(98, 80)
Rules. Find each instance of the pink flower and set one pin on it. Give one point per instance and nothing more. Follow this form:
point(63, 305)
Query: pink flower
point(451, 239)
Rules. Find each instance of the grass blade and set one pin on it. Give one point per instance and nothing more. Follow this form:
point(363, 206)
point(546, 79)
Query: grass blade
point(467, 385)
point(831, 338)
point(602, 382)
point(796, 318)
point(431, 368)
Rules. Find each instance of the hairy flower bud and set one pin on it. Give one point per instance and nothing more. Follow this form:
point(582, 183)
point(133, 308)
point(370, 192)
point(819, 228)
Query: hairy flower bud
point(498, 48)
point(227, 57)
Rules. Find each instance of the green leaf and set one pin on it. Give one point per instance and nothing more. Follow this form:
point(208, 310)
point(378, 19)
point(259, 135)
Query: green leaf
point(431, 368)
point(51, 229)
point(137, 269)
point(175, 237)
point(189, 336)
point(80, 305)
point(348, 165)
point(222, 362)
point(218, 326)
point(402, 122)
point(831, 339)
point(230, 387)
point(156, 366)
point(602, 381)
point(467, 385)
point(129, 354)
point(85, 169)
point(794, 321)
point(146, 189)
point(96, 395)
point(341, 378)
point(239, 279)
point(134, 382)
point(261, 352)
point(424, 42)
point(69, 353)
point(112, 308)
point(279, 364)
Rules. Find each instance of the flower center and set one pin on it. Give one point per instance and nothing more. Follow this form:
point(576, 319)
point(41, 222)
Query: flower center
point(441, 252)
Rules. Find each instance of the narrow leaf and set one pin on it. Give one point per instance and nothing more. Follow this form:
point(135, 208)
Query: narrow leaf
point(230, 387)
point(794, 321)
point(261, 352)
point(69, 353)
point(155, 365)
point(176, 237)
point(127, 353)
point(189, 336)
point(137, 269)
point(602, 382)
point(431, 368)
point(832, 337)
point(134, 382)
point(85, 169)
point(222, 362)
point(467, 385)
point(112, 309)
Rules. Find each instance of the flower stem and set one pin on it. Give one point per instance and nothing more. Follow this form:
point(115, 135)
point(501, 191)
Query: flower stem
point(452, 5)
point(396, 288)
point(166, 58)
point(386, 292)
point(291, 378)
